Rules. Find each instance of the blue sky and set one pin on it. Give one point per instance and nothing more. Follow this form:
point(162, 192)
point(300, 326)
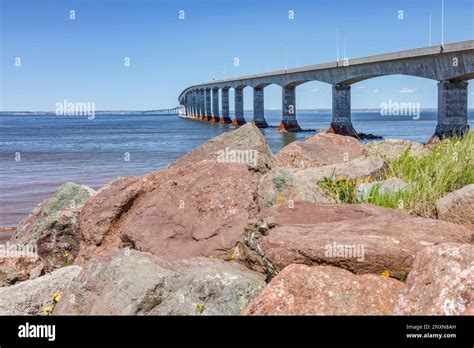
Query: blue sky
point(82, 60)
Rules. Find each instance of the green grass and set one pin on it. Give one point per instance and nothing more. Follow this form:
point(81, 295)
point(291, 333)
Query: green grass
point(447, 167)
point(341, 190)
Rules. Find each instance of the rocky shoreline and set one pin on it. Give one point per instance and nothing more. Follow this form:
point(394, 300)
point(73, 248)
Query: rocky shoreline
point(231, 229)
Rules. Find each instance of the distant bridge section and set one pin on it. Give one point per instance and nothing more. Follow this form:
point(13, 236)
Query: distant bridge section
point(164, 112)
point(452, 65)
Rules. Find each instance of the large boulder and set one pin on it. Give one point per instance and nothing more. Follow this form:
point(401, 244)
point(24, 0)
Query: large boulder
point(35, 297)
point(326, 290)
point(245, 145)
point(458, 206)
point(290, 184)
point(359, 238)
point(52, 229)
point(441, 282)
point(53, 226)
point(68, 197)
point(196, 210)
point(320, 150)
point(393, 148)
point(129, 282)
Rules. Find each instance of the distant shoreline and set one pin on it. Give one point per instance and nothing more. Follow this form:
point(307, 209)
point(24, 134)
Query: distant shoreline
point(155, 112)
point(110, 113)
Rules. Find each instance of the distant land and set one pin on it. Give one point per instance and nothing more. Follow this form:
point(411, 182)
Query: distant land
point(153, 112)
point(104, 112)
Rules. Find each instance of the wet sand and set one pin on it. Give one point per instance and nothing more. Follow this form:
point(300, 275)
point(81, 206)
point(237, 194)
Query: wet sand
point(6, 233)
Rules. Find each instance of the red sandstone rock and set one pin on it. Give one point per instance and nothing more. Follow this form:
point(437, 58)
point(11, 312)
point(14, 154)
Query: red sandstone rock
point(393, 148)
point(319, 150)
point(244, 145)
point(136, 283)
point(14, 270)
point(441, 282)
point(326, 290)
point(358, 238)
point(52, 230)
point(458, 206)
point(195, 210)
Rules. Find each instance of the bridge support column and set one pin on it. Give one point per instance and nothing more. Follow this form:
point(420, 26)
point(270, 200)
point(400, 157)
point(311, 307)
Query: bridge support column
point(341, 111)
point(215, 105)
point(194, 105)
point(258, 108)
point(191, 105)
point(452, 109)
point(239, 107)
point(207, 104)
point(202, 109)
point(289, 123)
point(225, 119)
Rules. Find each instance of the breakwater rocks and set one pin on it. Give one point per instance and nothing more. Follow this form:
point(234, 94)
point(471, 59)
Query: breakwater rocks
point(231, 228)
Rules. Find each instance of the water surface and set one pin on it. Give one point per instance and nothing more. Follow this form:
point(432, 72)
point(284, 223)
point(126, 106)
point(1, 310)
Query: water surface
point(54, 149)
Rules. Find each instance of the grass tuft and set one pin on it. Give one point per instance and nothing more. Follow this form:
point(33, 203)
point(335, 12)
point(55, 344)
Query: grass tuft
point(447, 167)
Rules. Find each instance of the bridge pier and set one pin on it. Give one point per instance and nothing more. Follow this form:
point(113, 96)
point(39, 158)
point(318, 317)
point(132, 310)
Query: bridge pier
point(202, 109)
point(289, 123)
point(452, 109)
point(194, 106)
point(341, 111)
point(215, 105)
point(187, 101)
point(239, 107)
point(225, 119)
point(191, 104)
point(207, 104)
point(258, 108)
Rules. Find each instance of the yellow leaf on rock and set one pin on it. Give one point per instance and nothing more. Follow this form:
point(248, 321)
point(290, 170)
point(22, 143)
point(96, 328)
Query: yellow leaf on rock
point(47, 309)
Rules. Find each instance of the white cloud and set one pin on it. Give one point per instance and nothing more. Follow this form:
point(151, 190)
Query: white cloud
point(407, 90)
point(375, 91)
point(472, 93)
point(361, 87)
point(315, 90)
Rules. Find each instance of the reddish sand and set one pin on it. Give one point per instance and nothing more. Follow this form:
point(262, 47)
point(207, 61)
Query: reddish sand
point(6, 233)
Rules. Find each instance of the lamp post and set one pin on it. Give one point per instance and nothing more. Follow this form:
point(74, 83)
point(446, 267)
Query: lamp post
point(429, 25)
point(337, 43)
point(442, 22)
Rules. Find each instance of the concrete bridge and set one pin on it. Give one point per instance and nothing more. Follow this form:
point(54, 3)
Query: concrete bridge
point(451, 64)
point(173, 111)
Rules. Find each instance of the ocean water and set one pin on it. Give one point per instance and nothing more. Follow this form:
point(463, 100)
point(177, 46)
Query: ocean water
point(39, 153)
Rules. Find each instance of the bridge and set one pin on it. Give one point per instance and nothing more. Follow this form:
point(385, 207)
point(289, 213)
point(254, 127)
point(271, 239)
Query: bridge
point(173, 111)
point(452, 65)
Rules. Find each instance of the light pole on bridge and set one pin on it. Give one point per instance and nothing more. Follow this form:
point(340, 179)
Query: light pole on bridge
point(442, 22)
point(337, 43)
point(429, 34)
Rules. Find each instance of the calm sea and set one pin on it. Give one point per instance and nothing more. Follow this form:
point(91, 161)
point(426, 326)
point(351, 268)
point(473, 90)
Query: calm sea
point(54, 149)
